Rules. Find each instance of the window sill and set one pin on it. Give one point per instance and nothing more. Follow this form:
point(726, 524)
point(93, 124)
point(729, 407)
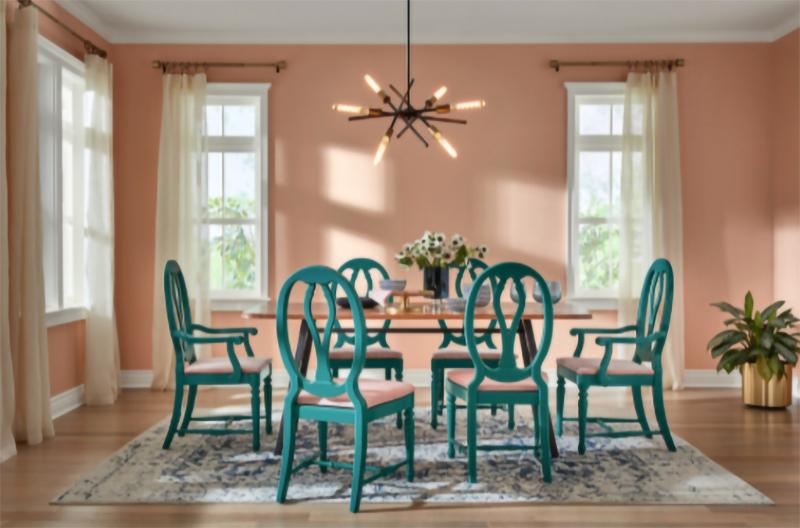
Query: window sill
point(595, 304)
point(236, 305)
point(65, 316)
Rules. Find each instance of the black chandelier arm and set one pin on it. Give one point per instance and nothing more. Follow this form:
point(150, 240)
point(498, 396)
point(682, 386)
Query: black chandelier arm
point(447, 120)
point(410, 126)
point(362, 117)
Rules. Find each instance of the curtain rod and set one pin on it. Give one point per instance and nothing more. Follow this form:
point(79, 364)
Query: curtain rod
point(669, 63)
point(88, 45)
point(164, 65)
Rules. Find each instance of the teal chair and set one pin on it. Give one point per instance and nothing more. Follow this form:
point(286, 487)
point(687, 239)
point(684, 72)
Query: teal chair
point(326, 399)
point(192, 372)
point(506, 383)
point(647, 336)
point(450, 357)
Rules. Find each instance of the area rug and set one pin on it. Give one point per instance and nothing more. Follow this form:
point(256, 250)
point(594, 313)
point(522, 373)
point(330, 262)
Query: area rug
point(223, 469)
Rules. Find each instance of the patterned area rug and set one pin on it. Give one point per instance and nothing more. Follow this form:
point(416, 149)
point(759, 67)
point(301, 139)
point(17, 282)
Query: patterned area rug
point(223, 469)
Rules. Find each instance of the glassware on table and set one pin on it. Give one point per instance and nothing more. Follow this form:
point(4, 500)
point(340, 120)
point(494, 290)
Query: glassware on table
point(555, 291)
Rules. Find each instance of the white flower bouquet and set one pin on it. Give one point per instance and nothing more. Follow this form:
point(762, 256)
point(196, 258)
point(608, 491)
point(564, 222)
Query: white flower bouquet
point(432, 250)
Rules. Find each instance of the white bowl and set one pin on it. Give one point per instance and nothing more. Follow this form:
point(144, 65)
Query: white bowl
point(484, 296)
point(393, 284)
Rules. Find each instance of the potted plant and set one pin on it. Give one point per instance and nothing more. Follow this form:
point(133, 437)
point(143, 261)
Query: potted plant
point(764, 346)
point(434, 255)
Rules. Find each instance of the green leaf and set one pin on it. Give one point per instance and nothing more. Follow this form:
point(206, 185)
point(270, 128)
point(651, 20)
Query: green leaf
point(762, 366)
point(724, 347)
point(787, 339)
point(776, 366)
point(772, 309)
point(787, 354)
point(724, 336)
point(748, 305)
point(758, 321)
point(767, 340)
point(727, 307)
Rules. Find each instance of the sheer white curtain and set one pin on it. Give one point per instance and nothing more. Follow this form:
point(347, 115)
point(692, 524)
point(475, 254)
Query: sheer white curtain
point(7, 446)
point(32, 420)
point(180, 232)
point(102, 348)
point(651, 211)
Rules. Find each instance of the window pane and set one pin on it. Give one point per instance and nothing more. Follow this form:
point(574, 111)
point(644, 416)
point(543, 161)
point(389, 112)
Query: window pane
point(594, 193)
point(216, 244)
point(213, 120)
point(594, 119)
point(616, 119)
point(240, 185)
point(68, 263)
point(598, 247)
point(240, 120)
point(215, 194)
point(616, 178)
point(239, 257)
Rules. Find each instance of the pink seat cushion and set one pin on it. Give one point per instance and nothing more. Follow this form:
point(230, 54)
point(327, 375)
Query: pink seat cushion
point(372, 353)
point(460, 353)
point(616, 367)
point(462, 377)
point(222, 365)
point(375, 393)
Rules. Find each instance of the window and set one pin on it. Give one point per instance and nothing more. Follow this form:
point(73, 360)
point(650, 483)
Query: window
point(236, 138)
point(61, 168)
point(594, 158)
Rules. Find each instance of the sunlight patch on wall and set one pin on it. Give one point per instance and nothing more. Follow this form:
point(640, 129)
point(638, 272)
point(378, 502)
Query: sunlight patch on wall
point(351, 179)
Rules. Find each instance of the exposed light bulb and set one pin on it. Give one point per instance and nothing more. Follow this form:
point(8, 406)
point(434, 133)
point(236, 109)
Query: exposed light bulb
point(438, 94)
point(351, 109)
point(372, 84)
point(382, 147)
point(442, 141)
point(468, 105)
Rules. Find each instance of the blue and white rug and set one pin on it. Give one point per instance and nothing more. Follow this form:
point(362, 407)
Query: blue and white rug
point(223, 469)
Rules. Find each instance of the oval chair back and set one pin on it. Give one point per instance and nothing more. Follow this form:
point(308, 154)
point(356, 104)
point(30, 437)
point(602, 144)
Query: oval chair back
point(501, 277)
point(369, 270)
point(472, 268)
point(179, 313)
point(655, 310)
point(327, 281)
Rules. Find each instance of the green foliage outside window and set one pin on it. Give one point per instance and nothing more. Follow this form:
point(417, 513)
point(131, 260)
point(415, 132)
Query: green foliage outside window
point(232, 248)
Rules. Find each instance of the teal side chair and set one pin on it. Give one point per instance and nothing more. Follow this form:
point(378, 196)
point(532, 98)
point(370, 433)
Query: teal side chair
point(449, 356)
point(379, 354)
point(648, 336)
point(504, 383)
point(326, 399)
point(192, 372)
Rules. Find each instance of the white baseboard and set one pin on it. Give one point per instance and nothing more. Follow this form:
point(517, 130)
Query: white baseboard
point(136, 379)
point(67, 401)
point(710, 378)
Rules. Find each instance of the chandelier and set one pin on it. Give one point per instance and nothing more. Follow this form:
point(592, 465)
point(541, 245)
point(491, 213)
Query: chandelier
point(404, 111)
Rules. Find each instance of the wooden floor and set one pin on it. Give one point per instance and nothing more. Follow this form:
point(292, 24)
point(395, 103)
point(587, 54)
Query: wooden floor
point(762, 447)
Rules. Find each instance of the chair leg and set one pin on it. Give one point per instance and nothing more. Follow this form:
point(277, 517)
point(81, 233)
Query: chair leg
point(409, 437)
point(434, 397)
point(494, 409)
point(334, 372)
point(583, 407)
point(387, 374)
point(287, 457)
point(511, 423)
point(255, 408)
point(322, 429)
point(640, 414)
point(440, 396)
point(542, 418)
point(359, 462)
point(451, 426)
point(187, 415)
point(661, 416)
point(560, 391)
point(398, 376)
point(176, 415)
point(472, 441)
point(268, 403)
point(535, 424)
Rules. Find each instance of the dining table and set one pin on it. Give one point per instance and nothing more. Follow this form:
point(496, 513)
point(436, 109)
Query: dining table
point(422, 314)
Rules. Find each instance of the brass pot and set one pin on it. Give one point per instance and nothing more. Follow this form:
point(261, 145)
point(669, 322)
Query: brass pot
point(759, 393)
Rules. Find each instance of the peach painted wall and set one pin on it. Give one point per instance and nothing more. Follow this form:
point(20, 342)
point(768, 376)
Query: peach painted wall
point(507, 188)
point(786, 167)
point(65, 343)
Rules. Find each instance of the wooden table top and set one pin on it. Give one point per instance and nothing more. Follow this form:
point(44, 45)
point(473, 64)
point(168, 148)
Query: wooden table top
point(422, 312)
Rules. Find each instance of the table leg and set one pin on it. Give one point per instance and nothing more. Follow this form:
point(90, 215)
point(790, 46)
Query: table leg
point(302, 353)
point(527, 341)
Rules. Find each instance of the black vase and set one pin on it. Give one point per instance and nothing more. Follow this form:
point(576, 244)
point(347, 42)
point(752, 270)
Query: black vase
point(437, 280)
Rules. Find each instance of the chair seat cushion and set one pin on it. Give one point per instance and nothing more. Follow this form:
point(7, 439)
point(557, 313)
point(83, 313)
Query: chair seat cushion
point(462, 377)
point(222, 365)
point(616, 367)
point(461, 354)
point(375, 392)
point(372, 353)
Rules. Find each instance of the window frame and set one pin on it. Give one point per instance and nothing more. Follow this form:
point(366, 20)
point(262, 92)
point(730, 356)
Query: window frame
point(222, 300)
point(599, 299)
point(52, 55)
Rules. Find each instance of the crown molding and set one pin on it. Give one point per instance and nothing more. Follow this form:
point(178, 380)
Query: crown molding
point(84, 13)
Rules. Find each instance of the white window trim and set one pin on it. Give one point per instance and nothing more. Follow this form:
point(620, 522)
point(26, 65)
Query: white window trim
point(56, 54)
point(229, 301)
point(605, 302)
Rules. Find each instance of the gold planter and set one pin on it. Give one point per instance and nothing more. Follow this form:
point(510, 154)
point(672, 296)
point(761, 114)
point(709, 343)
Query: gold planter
point(760, 393)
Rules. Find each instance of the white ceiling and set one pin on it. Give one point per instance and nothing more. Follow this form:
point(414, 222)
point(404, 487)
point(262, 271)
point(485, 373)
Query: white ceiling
point(436, 21)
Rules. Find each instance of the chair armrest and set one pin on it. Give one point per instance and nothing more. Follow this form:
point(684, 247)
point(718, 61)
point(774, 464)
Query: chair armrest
point(245, 330)
point(622, 330)
point(206, 340)
point(624, 340)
